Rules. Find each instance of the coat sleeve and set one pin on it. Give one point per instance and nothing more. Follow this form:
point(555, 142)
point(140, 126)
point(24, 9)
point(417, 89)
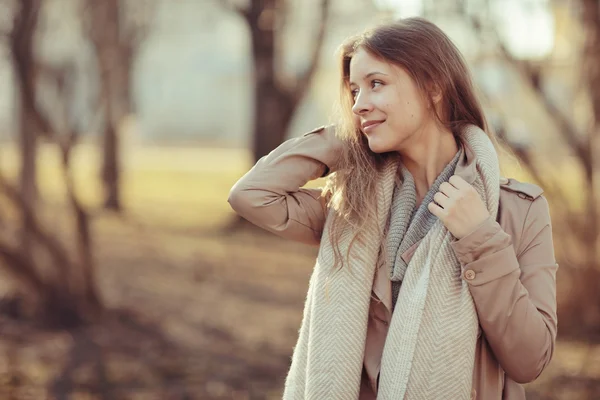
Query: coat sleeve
point(514, 294)
point(270, 194)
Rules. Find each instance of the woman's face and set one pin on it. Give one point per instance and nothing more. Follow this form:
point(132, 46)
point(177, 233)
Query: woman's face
point(388, 104)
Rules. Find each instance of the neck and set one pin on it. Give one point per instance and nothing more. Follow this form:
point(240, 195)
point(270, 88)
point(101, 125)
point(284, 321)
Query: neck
point(426, 158)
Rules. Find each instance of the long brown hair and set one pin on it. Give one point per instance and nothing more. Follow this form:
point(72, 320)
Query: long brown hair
point(430, 58)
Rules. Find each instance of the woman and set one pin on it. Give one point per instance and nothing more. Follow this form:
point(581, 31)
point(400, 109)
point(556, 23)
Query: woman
point(435, 277)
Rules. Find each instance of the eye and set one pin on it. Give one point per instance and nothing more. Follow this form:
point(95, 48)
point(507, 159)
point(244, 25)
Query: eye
point(375, 83)
point(354, 93)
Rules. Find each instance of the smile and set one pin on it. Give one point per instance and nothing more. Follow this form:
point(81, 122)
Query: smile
point(370, 125)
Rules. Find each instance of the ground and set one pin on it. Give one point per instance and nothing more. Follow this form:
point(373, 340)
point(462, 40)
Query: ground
point(195, 310)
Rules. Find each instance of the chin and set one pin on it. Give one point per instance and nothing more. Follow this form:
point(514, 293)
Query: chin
point(378, 147)
point(377, 151)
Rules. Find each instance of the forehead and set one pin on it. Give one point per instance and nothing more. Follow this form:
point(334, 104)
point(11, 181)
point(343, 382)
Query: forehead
point(362, 60)
point(364, 63)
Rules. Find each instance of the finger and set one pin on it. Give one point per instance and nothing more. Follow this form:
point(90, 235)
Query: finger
point(458, 182)
point(441, 199)
point(435, 210)
point(448, 189)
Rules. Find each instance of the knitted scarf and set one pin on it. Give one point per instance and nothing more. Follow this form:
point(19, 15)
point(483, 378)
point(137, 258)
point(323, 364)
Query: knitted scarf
point(409, 225)
point(430, 348)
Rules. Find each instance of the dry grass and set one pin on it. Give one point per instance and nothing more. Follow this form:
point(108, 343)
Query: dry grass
point(195, 311)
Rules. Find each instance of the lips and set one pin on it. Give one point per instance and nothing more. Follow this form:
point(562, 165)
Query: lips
point(370, 125)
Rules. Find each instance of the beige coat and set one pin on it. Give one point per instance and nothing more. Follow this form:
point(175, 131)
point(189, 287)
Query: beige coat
point(509, 264)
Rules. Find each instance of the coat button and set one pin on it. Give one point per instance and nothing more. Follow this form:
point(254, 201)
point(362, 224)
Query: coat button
point(469, 274)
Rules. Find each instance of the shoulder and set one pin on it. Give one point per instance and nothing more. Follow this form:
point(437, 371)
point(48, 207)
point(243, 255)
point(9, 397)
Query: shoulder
point(321, 129)
point(522, 198)
point(524, 210)
point(523, 190)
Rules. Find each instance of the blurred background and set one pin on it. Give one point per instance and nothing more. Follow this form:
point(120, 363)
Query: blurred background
point(124, 274)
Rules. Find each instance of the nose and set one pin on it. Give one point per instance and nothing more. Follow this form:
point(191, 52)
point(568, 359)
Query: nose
point(361, 105)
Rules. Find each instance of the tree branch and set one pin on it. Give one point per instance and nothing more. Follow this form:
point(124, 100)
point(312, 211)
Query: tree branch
point(21, 35)
point(243, 12)
point(20, 267)
point(525, 157)
point(303, 83)
point(63, 79)
point(50, 243)
point(65, 140)
point(529, 74)
point(138, 24)
point(532, 76)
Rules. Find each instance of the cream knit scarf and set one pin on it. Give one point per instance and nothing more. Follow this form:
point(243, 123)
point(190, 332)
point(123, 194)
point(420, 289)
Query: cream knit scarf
point(408, 225)
point(430, 348)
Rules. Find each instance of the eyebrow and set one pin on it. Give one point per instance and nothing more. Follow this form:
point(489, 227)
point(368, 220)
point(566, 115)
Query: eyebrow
point(370, 74)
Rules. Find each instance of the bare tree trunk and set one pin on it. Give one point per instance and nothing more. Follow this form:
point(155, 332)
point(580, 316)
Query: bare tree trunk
point(21, 43)
point(67, 296)
point(64, 290)
point(272, 112)
point(28, 174)
point(117, 78)
point(111, 169)
point(114, 57)
point(91, 303)
point(109, 63)
point(591, 71)
point(275, 100)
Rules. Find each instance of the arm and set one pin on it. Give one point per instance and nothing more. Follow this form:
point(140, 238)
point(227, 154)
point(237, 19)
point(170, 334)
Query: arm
point(515, 296)
point(269, 195)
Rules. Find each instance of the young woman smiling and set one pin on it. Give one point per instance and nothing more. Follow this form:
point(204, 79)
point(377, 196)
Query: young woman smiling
point(435, 277)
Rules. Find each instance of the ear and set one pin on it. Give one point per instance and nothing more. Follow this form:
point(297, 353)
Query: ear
point(435, 93)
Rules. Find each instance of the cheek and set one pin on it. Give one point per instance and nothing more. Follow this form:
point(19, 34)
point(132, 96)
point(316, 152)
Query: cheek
point(416, 110)
point(410, 109)
point(406, 109)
